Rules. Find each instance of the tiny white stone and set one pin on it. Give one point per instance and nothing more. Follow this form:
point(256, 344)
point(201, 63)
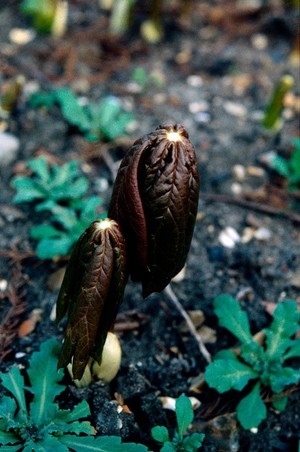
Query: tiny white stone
point(235, 109)
point(259, 41)
point(3, 285)
point(9, 146)
point(21, 36)
point(19, 355)
point(229, 237)
point(263, 234)
point(194, 80)
point(254, 430)
point(239, 172)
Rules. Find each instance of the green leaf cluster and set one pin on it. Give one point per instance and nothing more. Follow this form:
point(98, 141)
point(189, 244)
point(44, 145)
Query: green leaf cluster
point(290, 169)
point(60, 191)
point(179, 443)
point(263, 364)
point(104, 121)
point(41, 425)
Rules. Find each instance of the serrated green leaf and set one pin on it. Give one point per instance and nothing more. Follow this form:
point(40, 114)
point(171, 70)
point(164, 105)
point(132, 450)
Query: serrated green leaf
point(44, 231)
point(184, 414)
point(100, 444)
point(193, 442)
point(285, 324)
point(280, 165)
point(294, 350)
point(49, 248)
point(224, 374)
point(12, 448)
point(251, 410)
point(8, 438)
point(8, 406)
point(71, 110)
point(44, 379)
point(279, 402)
point(40, 167)
point(168, 447)
point(232, 317)
point(27, 190)
point(13, 381)
point(65, 216)
point(160, 433)
point(285, 377)
point(80, 411)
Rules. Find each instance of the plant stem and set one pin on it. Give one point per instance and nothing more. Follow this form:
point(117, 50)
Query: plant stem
point(173, 298)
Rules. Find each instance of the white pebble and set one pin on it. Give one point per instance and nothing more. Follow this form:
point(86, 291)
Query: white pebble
point(229, 237)
point(19, 355)
point(9, 146)
point(194, 80)
point(262, 234)
point(3, 285)
point(235, 109)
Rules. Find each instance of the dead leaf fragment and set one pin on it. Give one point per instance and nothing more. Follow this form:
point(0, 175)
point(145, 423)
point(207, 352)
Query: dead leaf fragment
point(28, 326)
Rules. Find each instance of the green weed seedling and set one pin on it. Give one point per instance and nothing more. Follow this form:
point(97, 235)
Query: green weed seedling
point(290, 169)
point(47, 16)
point(272, 117)
point(40, 425)
point(58, 241)
point(104, 121)
point(263, 364)
point(179, 443)
point(50, 184)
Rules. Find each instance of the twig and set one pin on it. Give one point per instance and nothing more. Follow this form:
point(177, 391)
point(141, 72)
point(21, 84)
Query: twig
point(173, 298)
point(264, 208)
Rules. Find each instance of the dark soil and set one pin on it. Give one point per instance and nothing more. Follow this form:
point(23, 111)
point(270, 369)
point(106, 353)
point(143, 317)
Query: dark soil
point(218, 70)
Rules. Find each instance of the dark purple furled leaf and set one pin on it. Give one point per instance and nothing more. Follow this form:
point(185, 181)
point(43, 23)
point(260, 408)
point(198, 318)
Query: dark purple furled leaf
point(91, 293)
point(155, 199)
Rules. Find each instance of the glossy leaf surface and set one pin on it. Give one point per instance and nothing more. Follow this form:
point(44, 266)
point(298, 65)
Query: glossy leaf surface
point(91, 293)
point(155, 200)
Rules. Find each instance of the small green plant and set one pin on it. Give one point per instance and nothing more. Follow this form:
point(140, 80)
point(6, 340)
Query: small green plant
point(179, 443)
point(47, 16)
point(290, 169)
point(263, 364)
point(144, 80)
point(50, 184)
point(40, 425)
point(105, 121)
point(272, 117)
point(58, 241)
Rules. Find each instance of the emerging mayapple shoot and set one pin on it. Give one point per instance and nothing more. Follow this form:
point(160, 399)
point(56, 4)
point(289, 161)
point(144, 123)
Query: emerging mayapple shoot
point(91, 293)
point(155, 200)
point(153, 211)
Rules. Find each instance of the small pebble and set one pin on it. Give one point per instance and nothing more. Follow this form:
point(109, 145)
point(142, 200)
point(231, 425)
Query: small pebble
point(259, 41)
point(262, 234)
point(196, 107)
point(3, 285)
point(9, 146)
point(236, 188)
point(229, 237)
point(239, 172)
point(194, 80)
point(255, 171)
point(21, 36)
point(19, 355)
point(202, 117)
point(235, 109)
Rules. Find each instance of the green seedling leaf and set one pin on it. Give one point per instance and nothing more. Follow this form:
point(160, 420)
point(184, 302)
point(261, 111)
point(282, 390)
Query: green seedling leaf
point(8, 438)
point(284, 377)
point(13, 448)
point(168, 447)
point(232, 317)
point(71, 109)
point(251, 410)
point(100, 444)
point(294, 350)
point(44, 378)
point(279, 402)
point(193, 442)
point(51, 183)
point(184, 414)
point(14, 383)
point(285, 324)
point(41, 13)
point(224, 375)
point(273, 111)
point(160, 433)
